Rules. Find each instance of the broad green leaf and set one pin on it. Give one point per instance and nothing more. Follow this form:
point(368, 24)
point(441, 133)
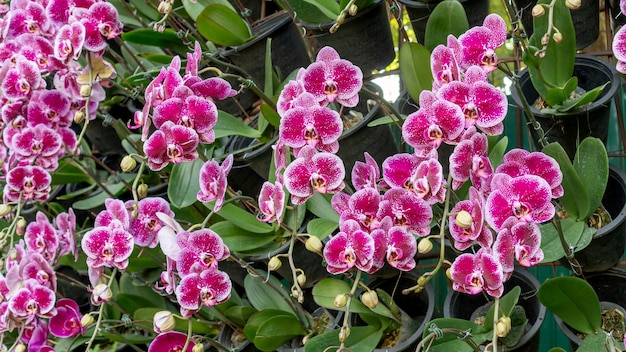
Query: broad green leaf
point(576, 233)
point(329, 8)
point(270, 115)
point(69, 172)
point(496, 154)
point(361, 338)
point(184, 183)
point(478, 333)
point(575, 199)
point(127, 285)
point(591, 163)
point(229, 125)
point(223, 26)
point(129, 303)
point(325, 292)
point(146, 8)
point(507, 303)
point(557, 349)
point(125, 16)
point(447, 18)
point(194, 8)
point(582, 100)
point(518, 327)
point(125, 338)
point(574, 301)
point(320, 205)
point(243, 219)
point(166, 39)
point(594, 343)
point(321, 227)
point(238, 239)
point(263, 295)
point(558, 95)
point(258, 318)
point(308, 12)
point(268, 86)
point(238, 315)
point(414, 57)
point(275, 331)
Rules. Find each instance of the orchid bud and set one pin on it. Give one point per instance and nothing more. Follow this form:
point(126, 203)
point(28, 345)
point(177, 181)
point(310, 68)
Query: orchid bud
point(297, 294)
point(503, 326)
point(314, 244)
point(463, 219)
point(20, 348)
point(87, 320)
point(538, 11)
point(301, 279)
point(128, 163)
point(572, 4)
point(198, 348)
point(163, 321)
point(164, 7)
point(142, 190)
point(424, 245)
point(20, 227)
point(5, 209)
point(370, 299)
point(101, 294)
point(545, 39)
point(344, 333)
point(449, 274)
point(341, 300)
point(422, 281)
point(557, 37)
point(79, 117)
point(274, 263)
point(85, 90)
point(353, 10)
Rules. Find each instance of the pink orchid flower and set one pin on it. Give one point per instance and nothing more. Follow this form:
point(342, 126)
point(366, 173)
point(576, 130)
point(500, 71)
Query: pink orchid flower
point(41, 237)
point(65, 224)
point(271, 202)
point(68, 42)
point(38, 145)
point(213, 181)
point(308, 123)
point(437, 121)
point(363, 206)
point(50, 108)
point(465, 232)
point(470, 160)
point(171, 143)
point(27, 183)
point(115, 215)
point(188, 110)
point(314, 172)
point(21, 79)
point(473, 273)
point(424, 177)
point(200, 250)
point(146, 225)
point(350, 247)
point(479, 43)
point(443, 66)
point(406, 210)
point(32, 301)
point(101, 22)
point(331, 78)
point(33, 266)
point(31, 18)
point(288, 95)
point(170, 341)
point(207, 288)
point(619, 49)
point(66, 323)
point(518, 240)
point(400, 247)
point(365, 174)
point(518, 162)
point(525, 198)
point(107, 247)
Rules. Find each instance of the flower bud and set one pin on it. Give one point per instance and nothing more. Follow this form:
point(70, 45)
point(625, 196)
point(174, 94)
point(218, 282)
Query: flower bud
point(314, 244)
point(341, 300)
point(5, 209)
point(20, 348)
point(538, 11)
point(449, 274)
point(20, 227)
point(344, 333)
point(370, 299)
point(503, 326)
point(301, 279)
point(198, 348)
point(163, 321)
point(423, 280)
point(572, 4)
point(101, 294)
point(85, 90)
point(424, 245)
point(557, 37)
point(297, 294)
point(142, 191)
point(353, 10)
point(87, 320)
point(545, 39)
point(164, 7)
point(128, 163)
point(274, 263)
point(79, 117)
point(463, 219)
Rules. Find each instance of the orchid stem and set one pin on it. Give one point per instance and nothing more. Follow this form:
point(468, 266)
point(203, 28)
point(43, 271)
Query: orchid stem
point(189, 331)
point(100, 315)
point(346, 318)
point(496, 317)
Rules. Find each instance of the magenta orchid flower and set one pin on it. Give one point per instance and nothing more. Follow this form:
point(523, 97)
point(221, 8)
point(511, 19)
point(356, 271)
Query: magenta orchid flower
point(170, 341)
point(27, 183)
point(365, 174)
point(331, 78)
point(115, 215)
point(406, 210)
point(21, 79)
point(437, 121)
point(213, 181)
point(29, 19)
point(207, 288)
point(525, 198)
point(38, 145)
point(465, 230)
point(521, 241)
point(444, 66)
point(200, 250)
point(66, 323)
point(288, 95)
point(107, 247)
point(424, 177)
point(470, 160)
point(479, 43)
point(146, 225)
point(473, 273)
point(350, 247)
point(619, 48)
point(308, 123)
point(314, 172)
point(271, 202)
point(518, 162)
point(49, 107)
point(361, 206)
point(32, 266)
point(32, 301)
point(65, 223)
point(41, 237)
point(188, 110)
point(101, 22)
point(400, 247)
point(171, 143)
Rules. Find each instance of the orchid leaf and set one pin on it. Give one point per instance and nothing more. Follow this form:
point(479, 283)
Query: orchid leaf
point(263, 295)
point(496, 153)
point(591, 163)
point(166, 39)
point(194, 8)
point(240, 240)
point(329, 8)
point(243, 219)
point(584, 99)
point(325, 292)
point(574, 301)
point(452, 341)
point(507, 303)
point(575, 198)
point(312, 11)
point(229, 125)
point(275, 331)
point(518, 327)
point(558, 95)
point(361, 338)
point(576, 233)
point(184, 186)
point(593, 343)
point(320, 205)
point(321, 227)
point(258, 318)
point(223, 26)
point(447, 18)
point(414, 58)
point(143, 317)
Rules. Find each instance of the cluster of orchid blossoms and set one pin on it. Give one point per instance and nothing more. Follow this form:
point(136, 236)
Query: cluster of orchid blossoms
point(619, 43)
point(40, 42)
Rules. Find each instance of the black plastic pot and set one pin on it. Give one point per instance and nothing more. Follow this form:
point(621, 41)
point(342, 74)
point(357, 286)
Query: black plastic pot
point(419, 12)
point(463, 306)
point(419, 309)
point(610, 287)
point(295, 345)
point(365, 39)
point(586, 20)
point(592, 120)
point(607, 245)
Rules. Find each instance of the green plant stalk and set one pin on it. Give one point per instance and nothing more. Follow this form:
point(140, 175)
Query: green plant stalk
point(100, 314)
point(13, 225)
point(136, 182)
point(569, 252)
point(299, 296)
point(189, 332)
point(496, 317)
point(346, 318)
point(341, 17)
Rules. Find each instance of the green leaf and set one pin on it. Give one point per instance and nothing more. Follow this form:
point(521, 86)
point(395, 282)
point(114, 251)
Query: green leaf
point(238, 239)
point(361, 338)
point(478, 333)
point(593, 343)
point(321, 227)
point(496, 154)
point(330, 8)
point(184, 185)
point(113, 185)
point(129, 303)
point(270, 115)
point(166, 39)
point(238, 315)
point(447, 18)
point(576, 233)
point(146, 8)
point(262, 296)
point(413, 58)
point(591, 163)
point(557, 349)
point(125, 15)
point(255, 321)
point(518, 327)
point(320, 205)
point(243, 219)
point(575, 199)
point(574, 301)
point(558, 95)
point(275, 331)
point(195, 8)
point(582, 100)
point(69, 173)
point(223, 26)
point(325, 292)
point(229, 125)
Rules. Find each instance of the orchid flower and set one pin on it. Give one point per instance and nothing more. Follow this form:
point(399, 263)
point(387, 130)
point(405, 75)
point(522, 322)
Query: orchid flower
point(313, 172)
point(350, 247)
point(473, 273)
point(213, 181)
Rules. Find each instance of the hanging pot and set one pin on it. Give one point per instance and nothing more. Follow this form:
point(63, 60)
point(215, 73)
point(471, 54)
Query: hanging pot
point(593, 120)
point(462, 306)
point(419, 12)
point(364, 39)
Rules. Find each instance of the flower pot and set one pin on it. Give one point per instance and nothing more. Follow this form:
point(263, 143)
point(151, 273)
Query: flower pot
point(418, 309)
point(591, 120)
point(607, 245)
point(463, 306)
point(420, 11)
point(610, 287)
point(364, 39)
point(586, 20)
